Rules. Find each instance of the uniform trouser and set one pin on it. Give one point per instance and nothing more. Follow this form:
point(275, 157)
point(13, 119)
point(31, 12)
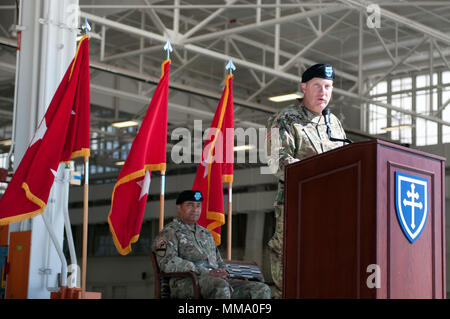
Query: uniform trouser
point(218, 288)
point(276, 251)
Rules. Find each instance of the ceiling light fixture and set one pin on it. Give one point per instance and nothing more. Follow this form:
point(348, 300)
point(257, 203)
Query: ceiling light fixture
point(396, 127)
point(286, 97)
point(125, 124)
point(7, 142)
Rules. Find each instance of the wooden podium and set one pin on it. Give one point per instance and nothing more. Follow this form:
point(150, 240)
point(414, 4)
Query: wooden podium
point(343, 238)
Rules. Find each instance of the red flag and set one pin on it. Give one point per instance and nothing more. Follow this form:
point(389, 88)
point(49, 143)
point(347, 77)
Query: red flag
point(216, 164)
point(62, 134)
point(147, 153)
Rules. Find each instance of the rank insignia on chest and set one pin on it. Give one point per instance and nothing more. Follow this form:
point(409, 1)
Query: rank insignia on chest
point(161, 247)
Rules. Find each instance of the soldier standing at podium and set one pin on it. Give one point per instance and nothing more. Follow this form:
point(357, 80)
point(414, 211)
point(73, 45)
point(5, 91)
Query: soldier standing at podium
point(297, 132)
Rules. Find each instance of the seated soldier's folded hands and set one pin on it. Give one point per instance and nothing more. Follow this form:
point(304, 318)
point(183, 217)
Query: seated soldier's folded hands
point(221, 273)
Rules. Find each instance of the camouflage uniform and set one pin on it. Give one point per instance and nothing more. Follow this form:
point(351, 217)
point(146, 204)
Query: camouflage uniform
point(301, 134)
point(180, 247)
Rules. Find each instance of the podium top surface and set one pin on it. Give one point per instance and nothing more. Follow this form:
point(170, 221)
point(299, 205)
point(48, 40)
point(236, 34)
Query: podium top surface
point(376, 143)
point(406, 149)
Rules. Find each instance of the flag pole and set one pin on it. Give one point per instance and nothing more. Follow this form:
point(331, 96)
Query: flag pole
point(230, 66)
point(229, 219)
point(85, 28)
point(161, 200)
point(168, 48)
point(85, 226)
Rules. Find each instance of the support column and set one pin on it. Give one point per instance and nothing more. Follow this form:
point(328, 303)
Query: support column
point(47, 47)
point(276, 55)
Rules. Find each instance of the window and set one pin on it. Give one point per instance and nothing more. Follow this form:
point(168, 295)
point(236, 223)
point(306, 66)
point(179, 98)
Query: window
point(424, 80)
point(102, 243)
point(446, 77)
point(424, 104)
point(378, 114)
point(401, 120)
point(446, 134)
point(3, 158)
point(401, 84)
point(94, 141)
point(378, 117)
point(446, 112)
point(380, 88)
point(413, 93)
point(426, 131)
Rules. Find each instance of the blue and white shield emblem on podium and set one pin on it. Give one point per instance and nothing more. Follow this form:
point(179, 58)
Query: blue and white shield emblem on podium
point(411, 203)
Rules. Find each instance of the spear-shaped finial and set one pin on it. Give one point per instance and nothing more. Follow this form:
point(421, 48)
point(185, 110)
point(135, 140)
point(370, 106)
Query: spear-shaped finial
point(168, 48)
point(230, 66)
point(85, 28)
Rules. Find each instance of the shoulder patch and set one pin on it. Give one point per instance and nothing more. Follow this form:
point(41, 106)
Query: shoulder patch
point(271, 131)
point(161, 247)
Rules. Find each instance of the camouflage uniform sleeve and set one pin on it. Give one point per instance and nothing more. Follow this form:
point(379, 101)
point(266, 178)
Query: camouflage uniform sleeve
point(166, 248)
point(281, 147)
point(219, 259)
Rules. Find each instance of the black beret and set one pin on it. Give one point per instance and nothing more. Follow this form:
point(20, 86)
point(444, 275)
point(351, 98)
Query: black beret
point(191, 196)
point(324, 71)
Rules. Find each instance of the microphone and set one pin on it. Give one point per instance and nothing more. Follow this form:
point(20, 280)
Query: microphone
point(326, 117)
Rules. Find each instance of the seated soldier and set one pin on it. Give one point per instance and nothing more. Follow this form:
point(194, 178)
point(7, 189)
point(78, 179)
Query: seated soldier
point(183, 245)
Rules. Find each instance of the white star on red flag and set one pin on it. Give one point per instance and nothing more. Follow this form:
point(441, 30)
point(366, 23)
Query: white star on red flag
point(40, 132)
point(144, 184)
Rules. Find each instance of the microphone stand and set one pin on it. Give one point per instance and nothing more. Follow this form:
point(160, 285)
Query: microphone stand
point(326, 115)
